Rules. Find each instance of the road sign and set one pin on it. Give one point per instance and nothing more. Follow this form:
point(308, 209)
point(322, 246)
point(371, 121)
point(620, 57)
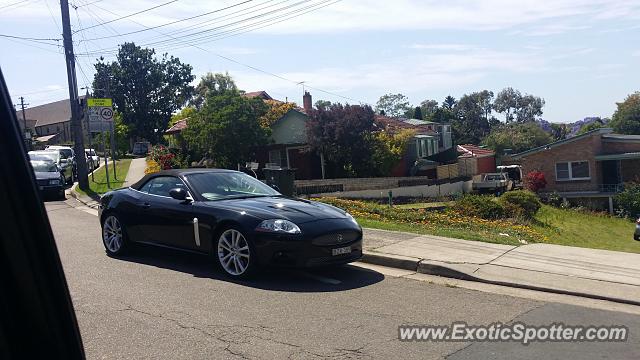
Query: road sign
point(99, 102)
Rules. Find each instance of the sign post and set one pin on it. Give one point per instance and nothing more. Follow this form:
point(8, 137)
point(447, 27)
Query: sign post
point(101, 120)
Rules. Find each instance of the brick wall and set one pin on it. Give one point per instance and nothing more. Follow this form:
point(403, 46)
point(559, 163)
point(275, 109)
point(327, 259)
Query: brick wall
point(579, 150)
point(354, 184)
point(630, 170)
point(613, 147)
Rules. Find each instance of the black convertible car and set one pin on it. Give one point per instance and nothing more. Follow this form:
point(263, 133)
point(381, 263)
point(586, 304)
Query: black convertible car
point(240, 221)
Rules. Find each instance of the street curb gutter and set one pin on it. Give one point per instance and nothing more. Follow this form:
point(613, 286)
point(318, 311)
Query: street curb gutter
point(81, 198)
point(442, 269)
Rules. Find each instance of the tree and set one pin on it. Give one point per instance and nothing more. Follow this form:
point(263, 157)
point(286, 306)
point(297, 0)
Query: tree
point(428, 107)
point(210, 85)
point(276, 110)
point(322, 104)
point(343, 134)
point(145, 90)
point(559, 131)
point(394, 105)
point(449, 102)
point(470, 124)
point(181, 115)
point(442, 115)
point(517, 137)
point(515, 106)
point(388, 149)
point(591, 126)
point(626, 119)
point(417, 113)
point(227, 128)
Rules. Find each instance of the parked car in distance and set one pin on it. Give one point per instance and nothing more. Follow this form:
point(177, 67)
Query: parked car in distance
point(241, 222)
point(514, 172)
point(48, 176)
point(636, 234)
point(141, 148)
point(58, 157)
point(68, 153)
point(492, 183)
point(93, 160)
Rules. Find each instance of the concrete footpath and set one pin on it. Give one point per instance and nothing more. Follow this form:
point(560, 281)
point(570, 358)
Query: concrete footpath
point(136, 171)
point(598, 274)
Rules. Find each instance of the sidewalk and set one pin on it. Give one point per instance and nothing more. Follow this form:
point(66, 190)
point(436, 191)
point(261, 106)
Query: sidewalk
point(598, 274)
point(136, 171)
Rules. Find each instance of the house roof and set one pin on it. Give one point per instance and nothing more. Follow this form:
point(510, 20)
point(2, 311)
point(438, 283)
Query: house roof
point(46, 138)
point(470, 150)
point(601, 131)
point(394, 125)
point(261, 94)
point(177, 127)
point(47, 114)
point(418, 122)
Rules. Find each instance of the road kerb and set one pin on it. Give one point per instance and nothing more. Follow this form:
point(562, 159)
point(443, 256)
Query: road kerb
point(394, 261)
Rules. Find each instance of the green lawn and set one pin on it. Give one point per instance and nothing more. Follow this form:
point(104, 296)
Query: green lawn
point(576, 228)
point(551, 225)
point(99, 183)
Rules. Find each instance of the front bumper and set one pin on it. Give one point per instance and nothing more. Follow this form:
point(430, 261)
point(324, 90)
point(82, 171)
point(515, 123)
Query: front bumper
point(51, 189)
point(311, 248)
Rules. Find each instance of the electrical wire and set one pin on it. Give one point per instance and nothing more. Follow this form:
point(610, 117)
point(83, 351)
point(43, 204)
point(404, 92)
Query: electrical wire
point(128, 16)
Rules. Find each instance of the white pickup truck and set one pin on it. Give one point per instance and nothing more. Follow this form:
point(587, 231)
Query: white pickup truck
point(492, 182)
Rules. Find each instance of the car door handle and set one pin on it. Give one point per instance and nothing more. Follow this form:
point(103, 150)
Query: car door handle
point(145, 205)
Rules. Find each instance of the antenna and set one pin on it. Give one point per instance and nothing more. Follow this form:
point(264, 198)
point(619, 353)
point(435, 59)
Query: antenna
point(302, 83)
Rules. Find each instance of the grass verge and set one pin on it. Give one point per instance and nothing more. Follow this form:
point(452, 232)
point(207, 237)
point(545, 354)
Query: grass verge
point(550, 225)
point(98, 185)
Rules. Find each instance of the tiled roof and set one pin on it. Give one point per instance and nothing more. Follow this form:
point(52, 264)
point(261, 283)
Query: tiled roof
point(177, 127)
point(470, 150)
point(46, 114)
point(261, 94)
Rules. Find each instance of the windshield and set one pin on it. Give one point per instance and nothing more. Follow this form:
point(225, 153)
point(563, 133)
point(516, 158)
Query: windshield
point(229, 185)
point(52, 155)
point(44, 166)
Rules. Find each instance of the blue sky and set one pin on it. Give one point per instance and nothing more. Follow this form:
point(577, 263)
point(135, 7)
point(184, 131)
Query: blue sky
point(581, 56)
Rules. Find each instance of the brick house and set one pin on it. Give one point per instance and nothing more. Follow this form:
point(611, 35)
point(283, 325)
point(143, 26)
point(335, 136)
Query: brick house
point(592, 165)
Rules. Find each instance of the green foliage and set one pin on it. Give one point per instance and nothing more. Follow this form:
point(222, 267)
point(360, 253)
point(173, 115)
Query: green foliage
point(394, 105)
point(277, 110)
point(322, 104)
point(521, 204)
point(417, 113)
point(590, 127)
point(145, 90)
point(227, 128)
point(482, 206)
point(449, 102)
point(628, 201)
point(471, 123)
point(626, 119)
point(388, 149)
point(516, 106)
point(559, 131)
point(427, 108)
point(343, 133)
point(182, 114)
point(211, 85)
point(518, 137)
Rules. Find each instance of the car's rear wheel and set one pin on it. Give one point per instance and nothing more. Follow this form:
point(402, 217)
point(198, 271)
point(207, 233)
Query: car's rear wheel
point(234, 253)
point(113, 235)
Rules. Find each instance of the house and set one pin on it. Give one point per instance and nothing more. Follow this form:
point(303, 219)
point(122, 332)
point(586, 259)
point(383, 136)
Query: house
point(476, 160)
point(174, 134)
point(593, 165)
point(51, 122)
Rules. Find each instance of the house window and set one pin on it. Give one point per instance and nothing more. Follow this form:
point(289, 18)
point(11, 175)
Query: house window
point(572, 170)
point(275, 157)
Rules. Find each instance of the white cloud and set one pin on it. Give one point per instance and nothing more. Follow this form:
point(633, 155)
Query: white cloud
point(446, 47)
point(636, 53)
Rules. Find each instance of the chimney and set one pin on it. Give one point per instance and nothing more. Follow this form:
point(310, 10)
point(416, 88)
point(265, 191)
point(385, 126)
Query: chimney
point(306, 102)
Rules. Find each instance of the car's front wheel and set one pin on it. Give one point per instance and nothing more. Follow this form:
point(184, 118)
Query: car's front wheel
point(113, 235)
point(234, 253)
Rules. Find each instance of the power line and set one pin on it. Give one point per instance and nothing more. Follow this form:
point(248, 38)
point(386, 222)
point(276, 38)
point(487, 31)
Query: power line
point(28, 38)
point(128, 16)
point(14, 4)
point(176, 21)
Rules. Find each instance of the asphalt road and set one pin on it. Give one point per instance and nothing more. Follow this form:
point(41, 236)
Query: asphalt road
point(158, 304)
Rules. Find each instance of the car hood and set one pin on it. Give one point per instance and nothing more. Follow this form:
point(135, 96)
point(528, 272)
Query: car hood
point(297, 210)
point(47, 175)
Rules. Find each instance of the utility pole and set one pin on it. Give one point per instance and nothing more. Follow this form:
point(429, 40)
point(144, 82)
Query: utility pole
point(113, 130)
point(76, 124)
point(24, 120)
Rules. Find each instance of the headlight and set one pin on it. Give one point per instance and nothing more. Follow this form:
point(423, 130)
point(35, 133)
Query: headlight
point(278, 226)
point(351, 218)
point(54, 182)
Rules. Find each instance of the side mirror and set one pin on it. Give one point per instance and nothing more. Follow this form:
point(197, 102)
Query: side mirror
point(178, 194)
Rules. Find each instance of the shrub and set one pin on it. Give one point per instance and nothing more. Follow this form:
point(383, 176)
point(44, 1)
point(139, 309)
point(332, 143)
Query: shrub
point(521, 203)
point(161, 155)
point(628, 201)
point(152, 167)
point(479, 206)
point(535, 181)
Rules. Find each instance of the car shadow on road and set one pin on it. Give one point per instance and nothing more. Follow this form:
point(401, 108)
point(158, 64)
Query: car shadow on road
point(326, 279)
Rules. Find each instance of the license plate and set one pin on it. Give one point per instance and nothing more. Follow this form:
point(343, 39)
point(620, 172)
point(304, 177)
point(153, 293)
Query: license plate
point(341, 251)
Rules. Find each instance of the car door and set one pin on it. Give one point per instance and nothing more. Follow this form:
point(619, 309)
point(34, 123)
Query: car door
point(165, 220)
point(66, 164)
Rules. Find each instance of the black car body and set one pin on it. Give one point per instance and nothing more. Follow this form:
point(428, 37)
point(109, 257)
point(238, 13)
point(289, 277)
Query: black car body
point(48, 177)
point(147, 212)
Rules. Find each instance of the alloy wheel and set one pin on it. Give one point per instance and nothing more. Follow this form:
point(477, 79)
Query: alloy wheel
point(112, 234)
point(233, 252)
